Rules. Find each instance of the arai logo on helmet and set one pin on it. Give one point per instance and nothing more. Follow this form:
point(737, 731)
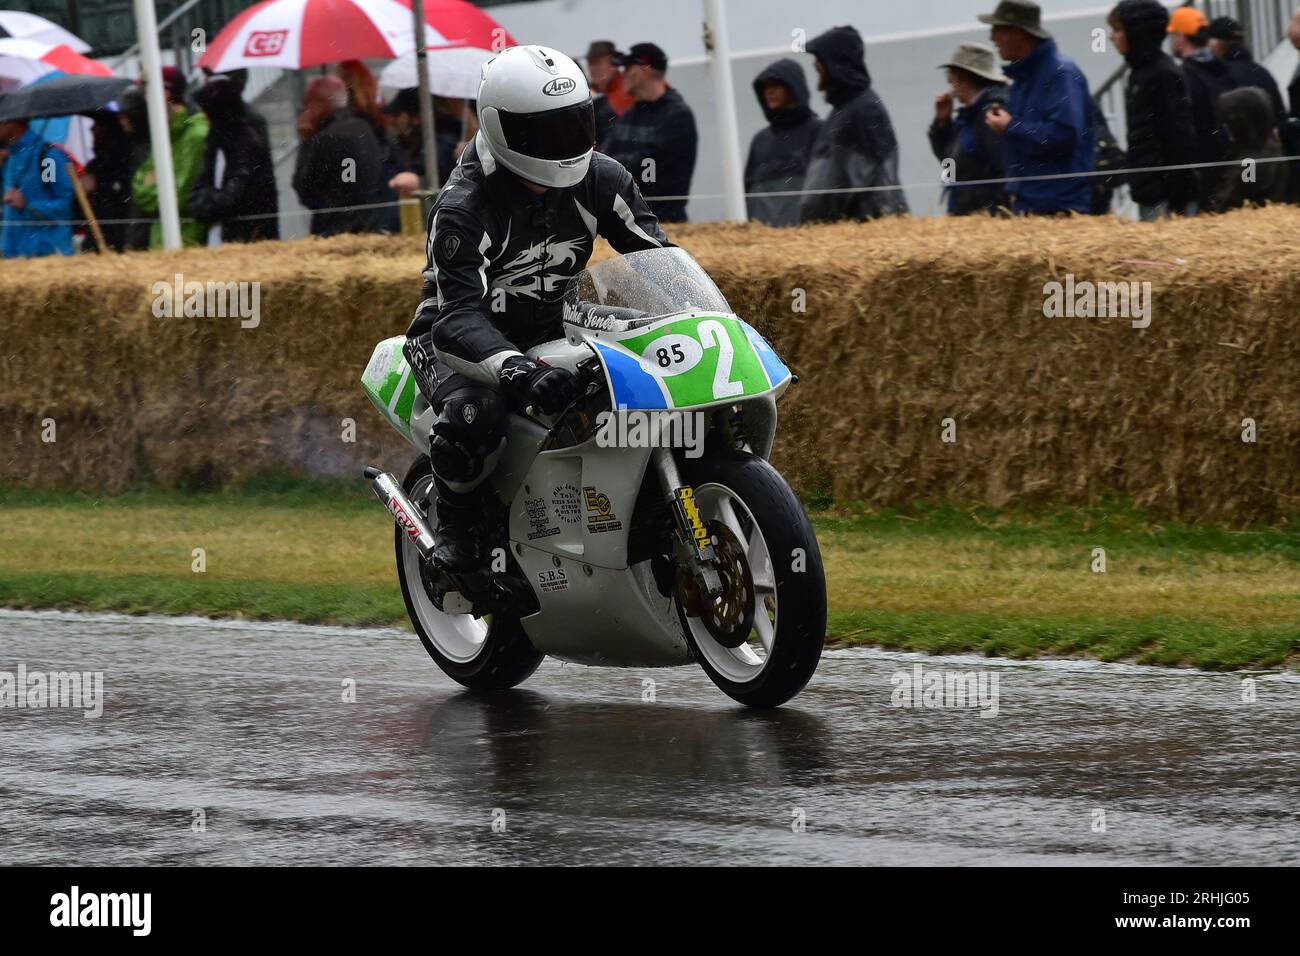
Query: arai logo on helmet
point(559, 86)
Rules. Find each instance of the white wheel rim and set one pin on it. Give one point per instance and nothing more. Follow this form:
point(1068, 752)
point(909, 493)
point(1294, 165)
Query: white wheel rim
point(459, 637)
point(744, 663)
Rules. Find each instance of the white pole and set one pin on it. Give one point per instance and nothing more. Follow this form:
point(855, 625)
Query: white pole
point(426, 103)
point(146, 28)
point(724, 98)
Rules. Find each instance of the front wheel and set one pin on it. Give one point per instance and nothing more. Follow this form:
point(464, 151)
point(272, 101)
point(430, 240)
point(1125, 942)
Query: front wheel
point(483, 653)
point(761, 639)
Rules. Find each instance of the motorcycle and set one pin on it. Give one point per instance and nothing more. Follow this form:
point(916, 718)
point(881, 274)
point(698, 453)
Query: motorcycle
point(641, 526)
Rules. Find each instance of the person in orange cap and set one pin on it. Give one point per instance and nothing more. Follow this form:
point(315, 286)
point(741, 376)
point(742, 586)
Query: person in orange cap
point(1207, 78)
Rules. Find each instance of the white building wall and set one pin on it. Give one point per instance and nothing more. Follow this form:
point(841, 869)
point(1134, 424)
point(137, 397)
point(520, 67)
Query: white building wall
point(905, 41)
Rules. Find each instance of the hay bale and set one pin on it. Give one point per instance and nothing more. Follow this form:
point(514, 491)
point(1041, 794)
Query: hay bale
point(905, 323)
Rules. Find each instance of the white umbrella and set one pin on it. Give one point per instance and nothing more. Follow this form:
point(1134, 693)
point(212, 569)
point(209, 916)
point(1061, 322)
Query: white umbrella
point(24, 60)
point(28, 26)
point(454, 71)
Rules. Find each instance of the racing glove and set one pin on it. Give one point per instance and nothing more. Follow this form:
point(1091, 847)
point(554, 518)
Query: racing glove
point(527, 382)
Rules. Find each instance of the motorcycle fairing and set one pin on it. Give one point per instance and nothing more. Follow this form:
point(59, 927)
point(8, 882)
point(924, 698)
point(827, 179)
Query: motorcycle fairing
point(688, 360)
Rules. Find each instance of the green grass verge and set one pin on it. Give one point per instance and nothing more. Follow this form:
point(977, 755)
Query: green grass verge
point(940, 579)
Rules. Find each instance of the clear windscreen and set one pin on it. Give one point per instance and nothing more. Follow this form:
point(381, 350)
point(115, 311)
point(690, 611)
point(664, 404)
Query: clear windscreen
point(655, 282)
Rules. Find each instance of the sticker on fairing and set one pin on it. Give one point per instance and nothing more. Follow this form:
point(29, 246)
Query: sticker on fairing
point(688, 361)
point(539, 519)
point(600, 511)
point(552, 580)
point(389, 383)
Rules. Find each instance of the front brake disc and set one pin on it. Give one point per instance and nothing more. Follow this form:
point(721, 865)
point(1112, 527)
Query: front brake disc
point(729, 617)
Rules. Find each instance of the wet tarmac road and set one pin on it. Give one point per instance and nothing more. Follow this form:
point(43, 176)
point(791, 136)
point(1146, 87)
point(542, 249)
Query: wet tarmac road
point(244, 728)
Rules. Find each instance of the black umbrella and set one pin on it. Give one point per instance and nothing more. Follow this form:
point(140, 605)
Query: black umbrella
point(62, 96)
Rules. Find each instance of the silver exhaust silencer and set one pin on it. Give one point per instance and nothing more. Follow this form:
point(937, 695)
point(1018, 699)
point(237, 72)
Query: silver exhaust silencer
point(403, 512)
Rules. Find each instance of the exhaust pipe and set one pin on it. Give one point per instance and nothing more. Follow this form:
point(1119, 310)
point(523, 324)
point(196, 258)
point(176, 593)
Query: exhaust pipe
point(403, 512)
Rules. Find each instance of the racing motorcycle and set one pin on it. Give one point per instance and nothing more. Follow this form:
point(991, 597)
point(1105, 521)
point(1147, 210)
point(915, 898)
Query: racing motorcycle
point(641, 526)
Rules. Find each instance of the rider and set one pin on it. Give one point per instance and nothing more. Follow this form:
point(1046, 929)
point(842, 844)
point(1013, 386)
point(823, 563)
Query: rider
point(516, 221)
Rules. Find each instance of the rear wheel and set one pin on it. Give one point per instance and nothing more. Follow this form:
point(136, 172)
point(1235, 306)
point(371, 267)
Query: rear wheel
point(484, 653)
point(761, 639)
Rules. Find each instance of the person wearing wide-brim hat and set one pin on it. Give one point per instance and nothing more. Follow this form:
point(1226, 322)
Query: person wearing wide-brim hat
point(1048, 127)
point(960, 138)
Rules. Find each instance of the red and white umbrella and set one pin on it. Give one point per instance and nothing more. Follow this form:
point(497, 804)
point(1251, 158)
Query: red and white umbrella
point(296, 34)
point(22, 61)
point(464, 25)
point(28, 26)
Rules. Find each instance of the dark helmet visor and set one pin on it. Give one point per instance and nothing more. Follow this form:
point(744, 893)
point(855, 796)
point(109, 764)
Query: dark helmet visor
point(555, 134)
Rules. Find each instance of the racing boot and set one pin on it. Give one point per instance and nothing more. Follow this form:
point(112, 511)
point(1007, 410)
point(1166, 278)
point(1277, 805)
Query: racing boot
point(459, 547)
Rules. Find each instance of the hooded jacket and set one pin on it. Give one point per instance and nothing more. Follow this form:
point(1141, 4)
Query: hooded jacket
point(341, 205)
point(1052, 131)
point(856, 146)
point(1158, 109)
point(131, 104)
point(112, 167)
point(661, 130)
point(189, 135)
point(1290, 134)
point(779, 154)
point(1244, 71)
point(1248, 117)
point(236, 148)
point(976, 152)
point(1207, 79)
point(41, 227)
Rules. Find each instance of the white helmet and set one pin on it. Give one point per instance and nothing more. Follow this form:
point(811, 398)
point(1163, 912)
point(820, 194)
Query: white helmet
point(535, 111)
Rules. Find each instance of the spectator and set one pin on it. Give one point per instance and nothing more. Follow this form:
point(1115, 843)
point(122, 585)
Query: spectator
point(340, 162)
point(1248, 118)
point(189, 136)
point(975, 151)
point(37, 194)
point(133, 116)
point(107, 180)
point(363, 100)
point(1048, 126)
point(1207, 79)
point(655, 139)
point(610, 98)
point(1227, 42)
point(235, 191)
point(240, 79)
point(778, 155)
point(855, 147)
point(1158, 110)
point(1293, 88)
point(404, 115)
point(1109, 157)
point(1291, 129)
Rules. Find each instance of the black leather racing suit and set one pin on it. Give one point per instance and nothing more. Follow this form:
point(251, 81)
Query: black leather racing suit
point(499, 260)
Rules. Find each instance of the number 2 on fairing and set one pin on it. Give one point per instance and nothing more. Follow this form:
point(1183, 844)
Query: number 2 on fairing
point(714, 333)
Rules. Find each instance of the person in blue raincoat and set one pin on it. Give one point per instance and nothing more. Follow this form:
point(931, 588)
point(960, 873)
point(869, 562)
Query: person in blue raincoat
point(1048, 126)
point(37, 195)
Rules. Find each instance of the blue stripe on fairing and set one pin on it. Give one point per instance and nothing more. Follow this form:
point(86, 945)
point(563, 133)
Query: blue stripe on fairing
point(632, 386)
point(775, 368)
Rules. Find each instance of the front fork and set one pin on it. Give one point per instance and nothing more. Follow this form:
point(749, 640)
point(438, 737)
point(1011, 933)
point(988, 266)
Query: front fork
point(694, 544)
